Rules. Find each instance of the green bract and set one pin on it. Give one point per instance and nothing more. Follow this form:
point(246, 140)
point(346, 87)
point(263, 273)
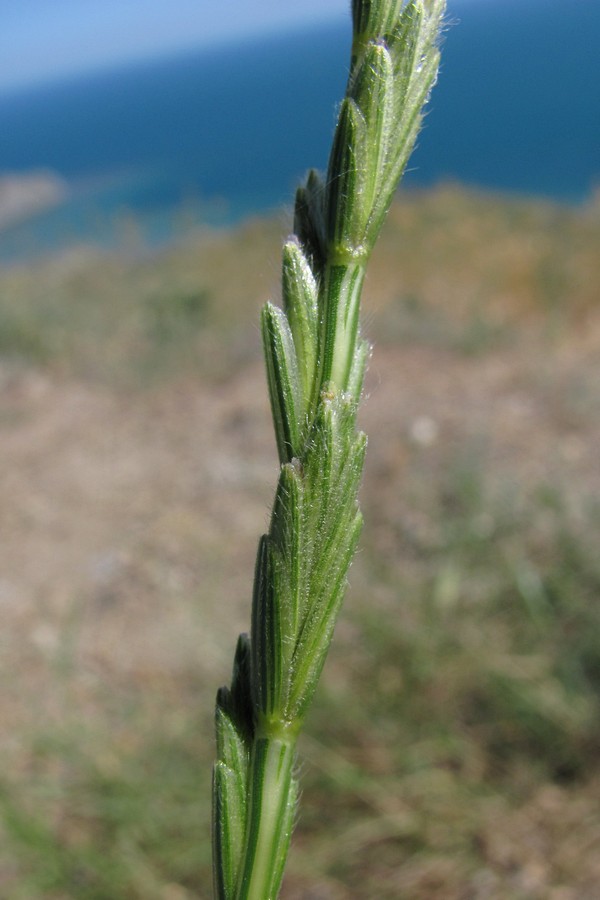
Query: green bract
point(315, 362)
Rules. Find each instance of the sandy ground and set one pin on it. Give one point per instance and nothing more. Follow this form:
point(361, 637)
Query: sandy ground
point(129, 520)
point(136, 515)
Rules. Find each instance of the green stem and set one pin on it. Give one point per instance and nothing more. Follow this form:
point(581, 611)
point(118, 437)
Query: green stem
point(341, 292)
point(272, 804)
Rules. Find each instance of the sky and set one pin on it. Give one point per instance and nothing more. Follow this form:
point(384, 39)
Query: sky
point(44, 39)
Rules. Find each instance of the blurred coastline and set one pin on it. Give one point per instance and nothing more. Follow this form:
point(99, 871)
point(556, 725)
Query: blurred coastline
point(212, 137)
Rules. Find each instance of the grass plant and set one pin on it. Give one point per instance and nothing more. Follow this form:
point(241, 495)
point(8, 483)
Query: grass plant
point(451, 749)
point(315, 361)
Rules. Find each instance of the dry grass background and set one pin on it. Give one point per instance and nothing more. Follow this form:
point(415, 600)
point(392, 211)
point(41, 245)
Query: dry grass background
point(452, 751)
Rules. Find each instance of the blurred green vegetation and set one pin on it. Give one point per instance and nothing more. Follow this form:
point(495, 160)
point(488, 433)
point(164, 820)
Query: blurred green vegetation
point(465, 267)
point(453, 748)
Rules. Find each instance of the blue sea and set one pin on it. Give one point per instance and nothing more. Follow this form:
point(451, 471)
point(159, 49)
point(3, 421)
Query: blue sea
point(226, 132)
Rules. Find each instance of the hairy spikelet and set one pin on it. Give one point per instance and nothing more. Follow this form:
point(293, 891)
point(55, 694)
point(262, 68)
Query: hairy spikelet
point(315, 361)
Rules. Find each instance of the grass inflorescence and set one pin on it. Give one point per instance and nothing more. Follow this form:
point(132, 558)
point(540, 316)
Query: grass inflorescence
point(315, 361)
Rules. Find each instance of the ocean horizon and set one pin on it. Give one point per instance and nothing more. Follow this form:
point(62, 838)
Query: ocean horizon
point(219, 134)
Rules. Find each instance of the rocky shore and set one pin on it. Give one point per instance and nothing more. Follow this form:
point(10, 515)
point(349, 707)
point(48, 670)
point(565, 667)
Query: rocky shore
point(23, 195)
